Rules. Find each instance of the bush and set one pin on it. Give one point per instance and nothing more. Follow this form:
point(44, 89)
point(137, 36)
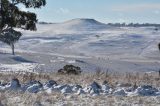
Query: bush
point(156, 29)
point(70, 69)
point(159, 46)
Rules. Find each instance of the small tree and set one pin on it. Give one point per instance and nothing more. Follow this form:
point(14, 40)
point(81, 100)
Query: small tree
point(10, 36)
point(11, 16)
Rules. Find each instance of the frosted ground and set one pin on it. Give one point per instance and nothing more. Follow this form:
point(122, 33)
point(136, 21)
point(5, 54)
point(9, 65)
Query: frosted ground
point(91, 45)
point(86, 43)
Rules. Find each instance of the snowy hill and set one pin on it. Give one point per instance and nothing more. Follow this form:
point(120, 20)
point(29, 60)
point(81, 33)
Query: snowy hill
point(73, 26)
point(83, 21)
point(84, 24)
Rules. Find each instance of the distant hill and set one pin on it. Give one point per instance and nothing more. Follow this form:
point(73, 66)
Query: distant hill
point(74, 25)
point(83, 21)
point(80, 25)
point(84, 24)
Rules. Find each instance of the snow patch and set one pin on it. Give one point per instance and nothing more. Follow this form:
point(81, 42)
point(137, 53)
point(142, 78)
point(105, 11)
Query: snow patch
point(22, 67)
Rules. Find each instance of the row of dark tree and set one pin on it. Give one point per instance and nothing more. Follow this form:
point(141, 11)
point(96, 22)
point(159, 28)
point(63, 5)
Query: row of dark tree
point(120, 24)
point(134, 25)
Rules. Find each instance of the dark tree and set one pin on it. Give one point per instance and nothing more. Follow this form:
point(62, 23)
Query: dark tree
point(10, 36)
point(11, 16)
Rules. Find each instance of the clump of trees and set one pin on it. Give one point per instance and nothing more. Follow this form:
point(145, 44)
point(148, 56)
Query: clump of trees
point(70, 69)
point(12, 17)
point(134, 25)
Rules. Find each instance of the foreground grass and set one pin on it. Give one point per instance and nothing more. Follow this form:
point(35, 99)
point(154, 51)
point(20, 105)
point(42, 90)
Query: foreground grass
point(56, 99)
point(11, 98)
point(86, 78)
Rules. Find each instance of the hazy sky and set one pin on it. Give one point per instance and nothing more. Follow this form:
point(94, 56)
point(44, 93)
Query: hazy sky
point(141, 11)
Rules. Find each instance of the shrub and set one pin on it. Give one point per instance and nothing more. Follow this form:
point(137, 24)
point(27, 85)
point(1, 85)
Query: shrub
point(70, 69)
point(156, 29)
point(159, 46)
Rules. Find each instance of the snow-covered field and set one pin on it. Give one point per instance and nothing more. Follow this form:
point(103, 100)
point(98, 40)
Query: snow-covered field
point(92, 46)
point(88, 44)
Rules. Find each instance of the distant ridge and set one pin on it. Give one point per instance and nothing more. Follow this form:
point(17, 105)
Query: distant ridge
point(74, 25)
point(92, 22)
point(84, 21)
point(84, 24)
point(41, 22)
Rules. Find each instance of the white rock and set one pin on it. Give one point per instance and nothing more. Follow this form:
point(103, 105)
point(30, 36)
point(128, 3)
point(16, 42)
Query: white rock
point(49, 90)
point(93, 89)
point(119, 92)
point(49, 84)
point(106, 89)
point(95, 85)
point(146, 90)
point(66, 90)
point(75, 88)
point(80, 92)
point(35, 88)
point(13, 85)
point(58, 87)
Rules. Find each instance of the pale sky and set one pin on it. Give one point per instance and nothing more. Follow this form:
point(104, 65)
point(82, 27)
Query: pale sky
point(107, 11)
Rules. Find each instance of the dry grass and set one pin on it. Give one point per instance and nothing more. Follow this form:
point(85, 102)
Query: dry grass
point(87, 78)
point(57, 99)
point(9, 98)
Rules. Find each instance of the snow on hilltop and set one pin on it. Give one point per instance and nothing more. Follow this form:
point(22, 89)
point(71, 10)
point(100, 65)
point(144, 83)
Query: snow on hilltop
point(72, 26)
point(83, 24)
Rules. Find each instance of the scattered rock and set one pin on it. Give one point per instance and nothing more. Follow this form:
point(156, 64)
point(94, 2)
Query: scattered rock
point(146, 90)
point(80, 92)
point(76, 88)
point(49, 90)
point(37, 104)
point(30, 83)
point(3, 83)
point(13, 85)
point(35, 87)
point(119, 92)
point(58, 87)
point(130, 89)
point(106, 89)
point(94, 89)
point(124, 85)
point(49, 84)
point(95, 85)
point(66, 90)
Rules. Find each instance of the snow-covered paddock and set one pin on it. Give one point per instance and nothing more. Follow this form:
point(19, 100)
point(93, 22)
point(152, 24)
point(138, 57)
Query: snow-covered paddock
point(93, 46)
point(88, 44)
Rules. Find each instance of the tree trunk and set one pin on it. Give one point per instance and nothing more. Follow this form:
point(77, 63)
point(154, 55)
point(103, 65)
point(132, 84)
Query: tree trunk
point(12, 46)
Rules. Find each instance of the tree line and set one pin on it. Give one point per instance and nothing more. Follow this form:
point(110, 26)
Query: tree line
point(134, 25)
